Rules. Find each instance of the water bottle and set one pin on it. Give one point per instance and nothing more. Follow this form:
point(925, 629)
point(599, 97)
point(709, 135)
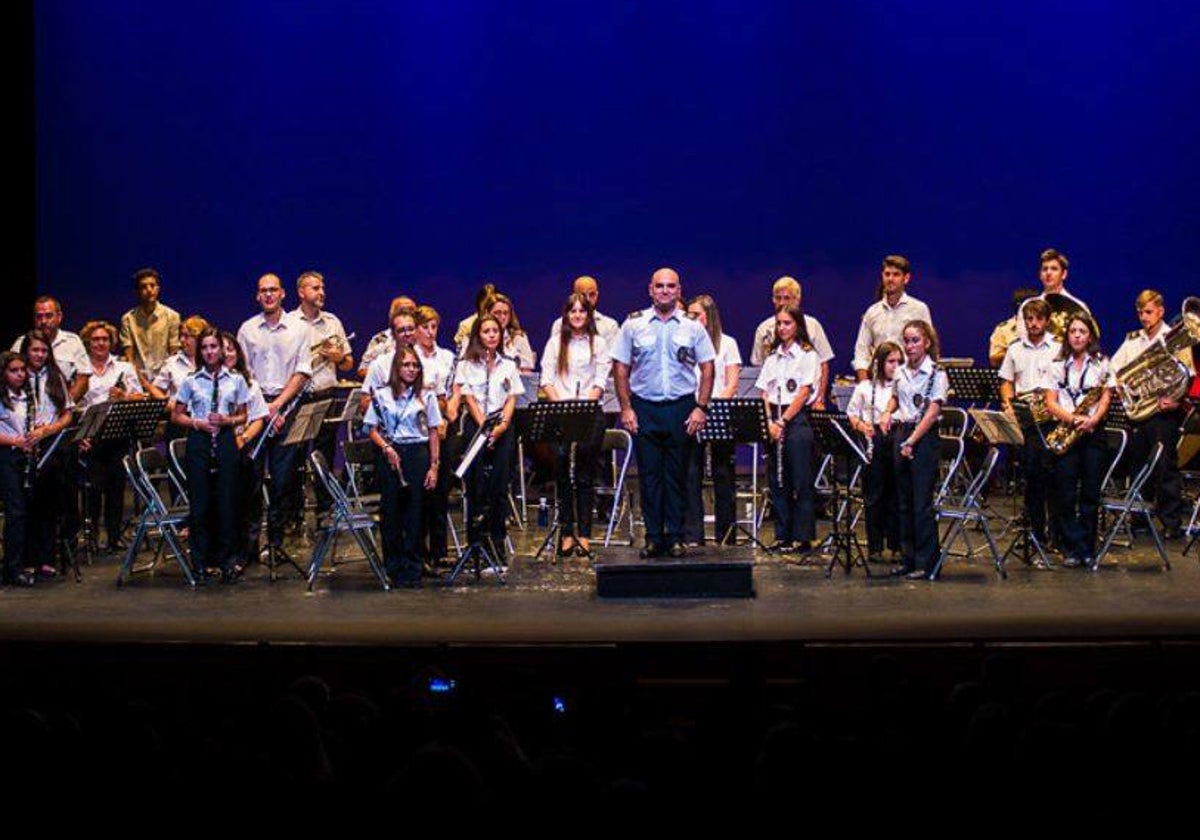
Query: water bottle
point(543, 512)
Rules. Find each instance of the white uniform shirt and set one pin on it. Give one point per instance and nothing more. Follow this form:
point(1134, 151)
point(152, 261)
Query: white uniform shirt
point(12, 420)
point(174, 370)
point(380, 343)
point(764, 337)
point(786, 371)
point(869, 400)
point(100, 383)
point(38, 380)
point(437, 369)
point(606, 326)
point(489, 390)
point(196, 393)
point(588, 366)
point(1071, 382)
point(273, 354)
point(1021, 331)
point(728, 355)
point(915, 389)
point(325, 325)
point(1135, 344)
point(407, 419)
point(1026, 365)
point(882, 322)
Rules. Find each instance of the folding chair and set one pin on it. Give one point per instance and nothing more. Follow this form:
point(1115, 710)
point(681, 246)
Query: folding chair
point(1192, 532)
point(156, 516)
point(969, 510)
point(344, 516)
point(176, 450)
point(1130, 504)
point(618, 445)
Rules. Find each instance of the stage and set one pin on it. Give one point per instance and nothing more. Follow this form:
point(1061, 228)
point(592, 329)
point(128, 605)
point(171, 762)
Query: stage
point(1131, 598)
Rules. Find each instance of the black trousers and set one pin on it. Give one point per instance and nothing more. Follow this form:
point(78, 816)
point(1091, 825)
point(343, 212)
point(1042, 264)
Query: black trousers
point(212, 518)
point(879, 496)
point(1077, 477)
point(107, 477)
point(1165, 486)
point(793, 500)
point(584, 498)
point(16, 510)
point(487, 488)
point(283, 463)
point(436, 504)
point(721, 454)
point(400, 511)
point(916, 478)
point(663, 448)
point(1038, 467)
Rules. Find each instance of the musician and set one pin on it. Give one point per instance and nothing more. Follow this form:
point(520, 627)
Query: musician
point(402, 421)
point(1022, 374)
point(330, 350)
point(1079, 370)
point(110, 379)
point(54, 504)
point(15, 427)
point(787, 292)
point(179, 366)
point(871, 398)
point(1006, 331)
point(663, 405)
point(718, 453)
point(404, 334)
point(788, 382)
point(437, 370)
point(516, 343)
point(278, 350)
point(487, 383)
point(210, 404)
point(149, 332)
point(575, 366)
point(69, 352)
point(26, 421)
point(1164, 487)
point(1053, 270)
point(463, 333)
point(250, 471)
point(912, 420)
point(885, 319)
point(383, 341)
point(606, 327)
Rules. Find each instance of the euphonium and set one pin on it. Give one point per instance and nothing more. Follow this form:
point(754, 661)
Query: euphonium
point(1157, 373)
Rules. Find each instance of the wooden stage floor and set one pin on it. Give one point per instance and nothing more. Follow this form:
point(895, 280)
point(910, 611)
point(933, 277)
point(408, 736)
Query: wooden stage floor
point(1131, 597)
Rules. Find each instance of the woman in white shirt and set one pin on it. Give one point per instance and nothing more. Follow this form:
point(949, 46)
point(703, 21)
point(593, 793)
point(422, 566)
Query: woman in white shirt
point(717, 456)
point(516, 343)
point(575, 366)
point(487, 384)
point(871, 398)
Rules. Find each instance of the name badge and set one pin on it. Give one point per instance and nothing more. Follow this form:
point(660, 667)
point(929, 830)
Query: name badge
point(791, 386)
point(422, 422)
point(686, 356)
point(506, 385)
point(919, 400)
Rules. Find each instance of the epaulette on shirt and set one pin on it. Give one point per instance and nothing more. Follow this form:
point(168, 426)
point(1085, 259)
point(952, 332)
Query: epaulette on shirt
point(1016, 340)
point(1130, 336)
point(637, 313)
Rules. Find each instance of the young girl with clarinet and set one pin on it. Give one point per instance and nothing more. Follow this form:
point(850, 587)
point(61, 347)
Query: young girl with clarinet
point(871, 398)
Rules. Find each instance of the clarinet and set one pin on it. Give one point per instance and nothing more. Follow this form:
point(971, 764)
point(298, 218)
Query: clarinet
point(31, 408)
point(215, 408)
point(874, 422)
point(779, 444)
point(387, 434)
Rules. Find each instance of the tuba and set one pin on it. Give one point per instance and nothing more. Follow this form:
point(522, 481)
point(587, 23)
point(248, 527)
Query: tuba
point(1157, 373)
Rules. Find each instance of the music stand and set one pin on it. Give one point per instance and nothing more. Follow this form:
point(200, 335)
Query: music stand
point(565, 421)
point(1026, 541)
point(737, 420)
point(831, 430)
point(305, 426)
point(974, 385)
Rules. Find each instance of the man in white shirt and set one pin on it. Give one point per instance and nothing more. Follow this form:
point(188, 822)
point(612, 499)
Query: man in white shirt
point(1053, 271)
point(787, 292)
point(278, 349)
point(884, 320)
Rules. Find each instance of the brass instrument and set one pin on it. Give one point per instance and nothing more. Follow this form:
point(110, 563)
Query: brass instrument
point(1066, 434)
point(1062, 309)
point(1157, 373)
point(1037, 406)
point(329, 340)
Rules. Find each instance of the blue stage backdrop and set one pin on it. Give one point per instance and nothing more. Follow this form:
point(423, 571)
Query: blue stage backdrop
point(425, 147)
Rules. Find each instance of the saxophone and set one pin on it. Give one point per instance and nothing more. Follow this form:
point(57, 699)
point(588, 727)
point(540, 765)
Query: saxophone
point(1066, 435)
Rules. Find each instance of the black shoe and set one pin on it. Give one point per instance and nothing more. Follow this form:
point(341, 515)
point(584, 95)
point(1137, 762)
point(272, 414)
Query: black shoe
point(803, 547)
point(587, 553)
point(231, 575)
point(23, 579)
point(116, 546)
point(781, 547)
point(918, 574)
point(1072, 563)
point(652, 550)
point(1171, 534)
point(406, 581)
point(677, 550)
point(564, 551)
point(901, 571)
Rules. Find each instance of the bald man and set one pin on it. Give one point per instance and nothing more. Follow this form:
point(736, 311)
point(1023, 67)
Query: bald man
point(606, 326)
point(787, 292)
point(658, 357)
